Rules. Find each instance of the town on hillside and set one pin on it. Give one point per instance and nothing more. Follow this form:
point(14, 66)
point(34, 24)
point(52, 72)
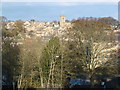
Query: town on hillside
point(61, 54)
point(44, 29)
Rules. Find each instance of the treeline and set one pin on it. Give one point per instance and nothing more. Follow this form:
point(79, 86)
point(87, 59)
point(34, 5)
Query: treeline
point(52, 64)
point(107, 20)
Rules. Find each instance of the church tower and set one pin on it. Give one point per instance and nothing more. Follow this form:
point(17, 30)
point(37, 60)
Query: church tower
point(62, 21)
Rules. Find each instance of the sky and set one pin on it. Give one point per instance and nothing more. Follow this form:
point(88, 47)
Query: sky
point(50, 11)
point(60, 0)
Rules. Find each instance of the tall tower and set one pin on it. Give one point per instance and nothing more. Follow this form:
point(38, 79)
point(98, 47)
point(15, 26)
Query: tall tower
point(62, 20)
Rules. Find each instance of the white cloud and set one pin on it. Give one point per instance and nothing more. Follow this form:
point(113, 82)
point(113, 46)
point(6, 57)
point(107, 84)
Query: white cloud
point(60, 0)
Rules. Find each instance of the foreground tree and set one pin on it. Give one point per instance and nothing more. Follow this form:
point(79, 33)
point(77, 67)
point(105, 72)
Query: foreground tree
point(10, 61)
point(41, 64)
point(10, 56)
point(30, 53)
point(88, 43)
point(50, 63)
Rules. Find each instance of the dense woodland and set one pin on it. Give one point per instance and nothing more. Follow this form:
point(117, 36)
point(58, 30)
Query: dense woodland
point(51, 64)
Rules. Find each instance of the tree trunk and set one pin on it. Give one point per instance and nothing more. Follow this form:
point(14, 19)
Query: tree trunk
point(20, 81)
point(41, 78)
point(90, 77)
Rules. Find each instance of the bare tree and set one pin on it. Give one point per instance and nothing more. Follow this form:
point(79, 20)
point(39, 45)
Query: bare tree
point(31, 74)
point(91, 41)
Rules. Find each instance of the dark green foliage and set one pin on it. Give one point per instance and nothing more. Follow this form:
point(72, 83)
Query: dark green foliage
point(10, 56)
point(10, 61)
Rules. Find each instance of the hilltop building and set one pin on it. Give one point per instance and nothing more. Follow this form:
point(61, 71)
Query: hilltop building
point(62, 21)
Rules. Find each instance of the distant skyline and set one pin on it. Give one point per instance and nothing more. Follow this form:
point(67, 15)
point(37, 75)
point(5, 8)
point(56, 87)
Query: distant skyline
point(50, 11)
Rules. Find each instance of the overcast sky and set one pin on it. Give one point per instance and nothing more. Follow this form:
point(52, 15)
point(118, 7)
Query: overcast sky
point(49, 11)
